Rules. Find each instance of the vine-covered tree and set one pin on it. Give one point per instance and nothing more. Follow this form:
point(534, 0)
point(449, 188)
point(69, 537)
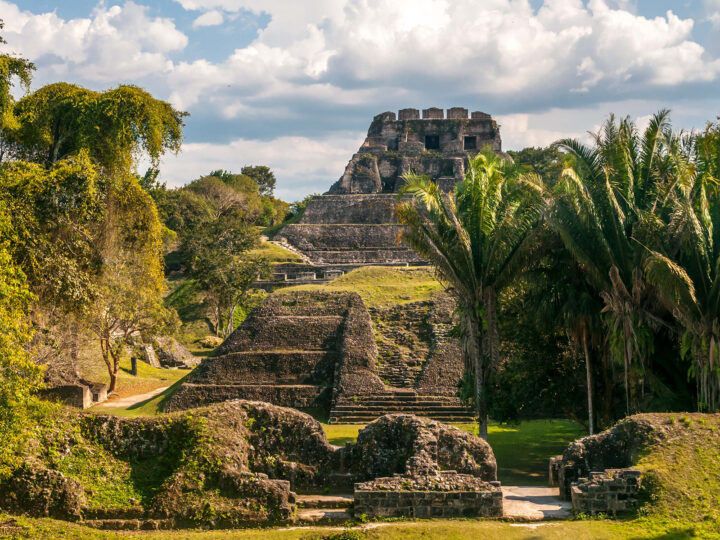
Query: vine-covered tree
point(19, 376)
point(60, 120)
point(128, 302)
point(13, 69)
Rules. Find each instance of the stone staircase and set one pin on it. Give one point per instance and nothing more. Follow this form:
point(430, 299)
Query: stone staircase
point(365, 409)
point(284, 353)
point(123, 519)
point(316, 509)
point(400, 372)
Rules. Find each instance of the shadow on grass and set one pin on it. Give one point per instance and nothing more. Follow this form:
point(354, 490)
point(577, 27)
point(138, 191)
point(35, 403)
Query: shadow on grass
point(678, 534)
point(161, 399)
point(522, 451)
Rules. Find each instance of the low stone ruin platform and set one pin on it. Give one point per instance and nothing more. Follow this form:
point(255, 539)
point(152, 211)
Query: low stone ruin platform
point(439, 494)
point(607, 492)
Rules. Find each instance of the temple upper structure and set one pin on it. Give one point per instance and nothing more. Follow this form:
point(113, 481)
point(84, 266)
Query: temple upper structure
point(354, 223)
point(436, 144)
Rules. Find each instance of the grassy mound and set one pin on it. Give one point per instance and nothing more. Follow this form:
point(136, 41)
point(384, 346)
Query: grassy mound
point(274, 253)
point(682, 471)
point(678, 456)
point(382, 286)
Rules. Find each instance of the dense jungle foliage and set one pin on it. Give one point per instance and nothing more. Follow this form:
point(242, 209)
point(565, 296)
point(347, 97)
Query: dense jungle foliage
point(596, 263)
point(586, 275)
point(83, 238)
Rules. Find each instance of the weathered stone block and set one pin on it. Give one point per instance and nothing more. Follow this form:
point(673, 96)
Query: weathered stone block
point(75, 395)
point(408, 114)
point(456, 113)
point(433, 113)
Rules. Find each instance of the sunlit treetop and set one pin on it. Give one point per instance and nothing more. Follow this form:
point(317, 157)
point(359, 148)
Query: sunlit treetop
point(12, 69)
point(115, 126)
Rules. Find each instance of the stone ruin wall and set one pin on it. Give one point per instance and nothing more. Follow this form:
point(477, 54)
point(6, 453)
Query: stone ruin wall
point(445, 494)
point(607, 492)
point(414, 346)
point(449, 473)
point(267, 454)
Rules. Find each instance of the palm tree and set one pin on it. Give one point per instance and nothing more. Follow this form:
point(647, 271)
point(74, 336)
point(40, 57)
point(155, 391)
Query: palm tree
point(688, 281)
point(613, 194)
point(477, 239)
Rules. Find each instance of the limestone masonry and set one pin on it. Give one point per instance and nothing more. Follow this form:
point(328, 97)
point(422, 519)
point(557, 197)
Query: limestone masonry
point(354, 223)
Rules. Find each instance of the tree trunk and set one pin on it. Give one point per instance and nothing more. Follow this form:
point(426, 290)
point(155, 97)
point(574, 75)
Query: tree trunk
point(474, 351)
point(116, 368)
point(113, 382)
point(627, 359)
point(491, 342)
point(105, 348)
point(231, 319)
point(588, 374)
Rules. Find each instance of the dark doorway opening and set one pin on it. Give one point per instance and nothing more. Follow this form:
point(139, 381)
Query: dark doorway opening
point(432, 142)
point(470, 143)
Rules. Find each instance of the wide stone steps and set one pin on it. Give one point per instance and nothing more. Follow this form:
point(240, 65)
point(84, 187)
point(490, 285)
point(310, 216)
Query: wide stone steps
point(129, 524)
point(368, 408)
point(458, 409)
point(318, 509)
point(324, 501)
point(366, 419)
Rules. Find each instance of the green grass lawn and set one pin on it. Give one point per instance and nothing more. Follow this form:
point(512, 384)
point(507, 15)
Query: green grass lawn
point(147, 379)
point(459, 529)
point(274, 253)
point(522, 451)
point(149, 407)
point(382, 286)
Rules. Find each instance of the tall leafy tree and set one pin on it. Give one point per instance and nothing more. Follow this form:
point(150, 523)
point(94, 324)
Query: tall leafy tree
point(19, 376)
point(688, 277)
point(127, 303)
point(605, 205)
point(13, 69)
point(220, 264)
point(477, 238)
point(59, 120)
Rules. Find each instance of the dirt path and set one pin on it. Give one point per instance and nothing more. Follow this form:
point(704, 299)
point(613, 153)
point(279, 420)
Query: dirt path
point(534, 503)
point(124, 403)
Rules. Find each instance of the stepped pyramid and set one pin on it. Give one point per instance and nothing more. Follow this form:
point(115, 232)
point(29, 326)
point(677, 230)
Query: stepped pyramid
point(318, 351)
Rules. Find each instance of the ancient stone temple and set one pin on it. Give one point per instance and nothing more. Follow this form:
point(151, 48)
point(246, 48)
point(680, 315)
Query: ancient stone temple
point(354, 223)
point(327, 353)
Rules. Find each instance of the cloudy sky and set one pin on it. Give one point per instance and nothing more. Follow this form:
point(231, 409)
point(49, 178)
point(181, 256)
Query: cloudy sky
point(294, 83)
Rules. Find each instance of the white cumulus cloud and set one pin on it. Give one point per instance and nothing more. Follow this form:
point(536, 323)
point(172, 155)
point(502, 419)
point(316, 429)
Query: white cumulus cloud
point(115, 43)
point(301, 164)
point(490, 48)
point(210, 18)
